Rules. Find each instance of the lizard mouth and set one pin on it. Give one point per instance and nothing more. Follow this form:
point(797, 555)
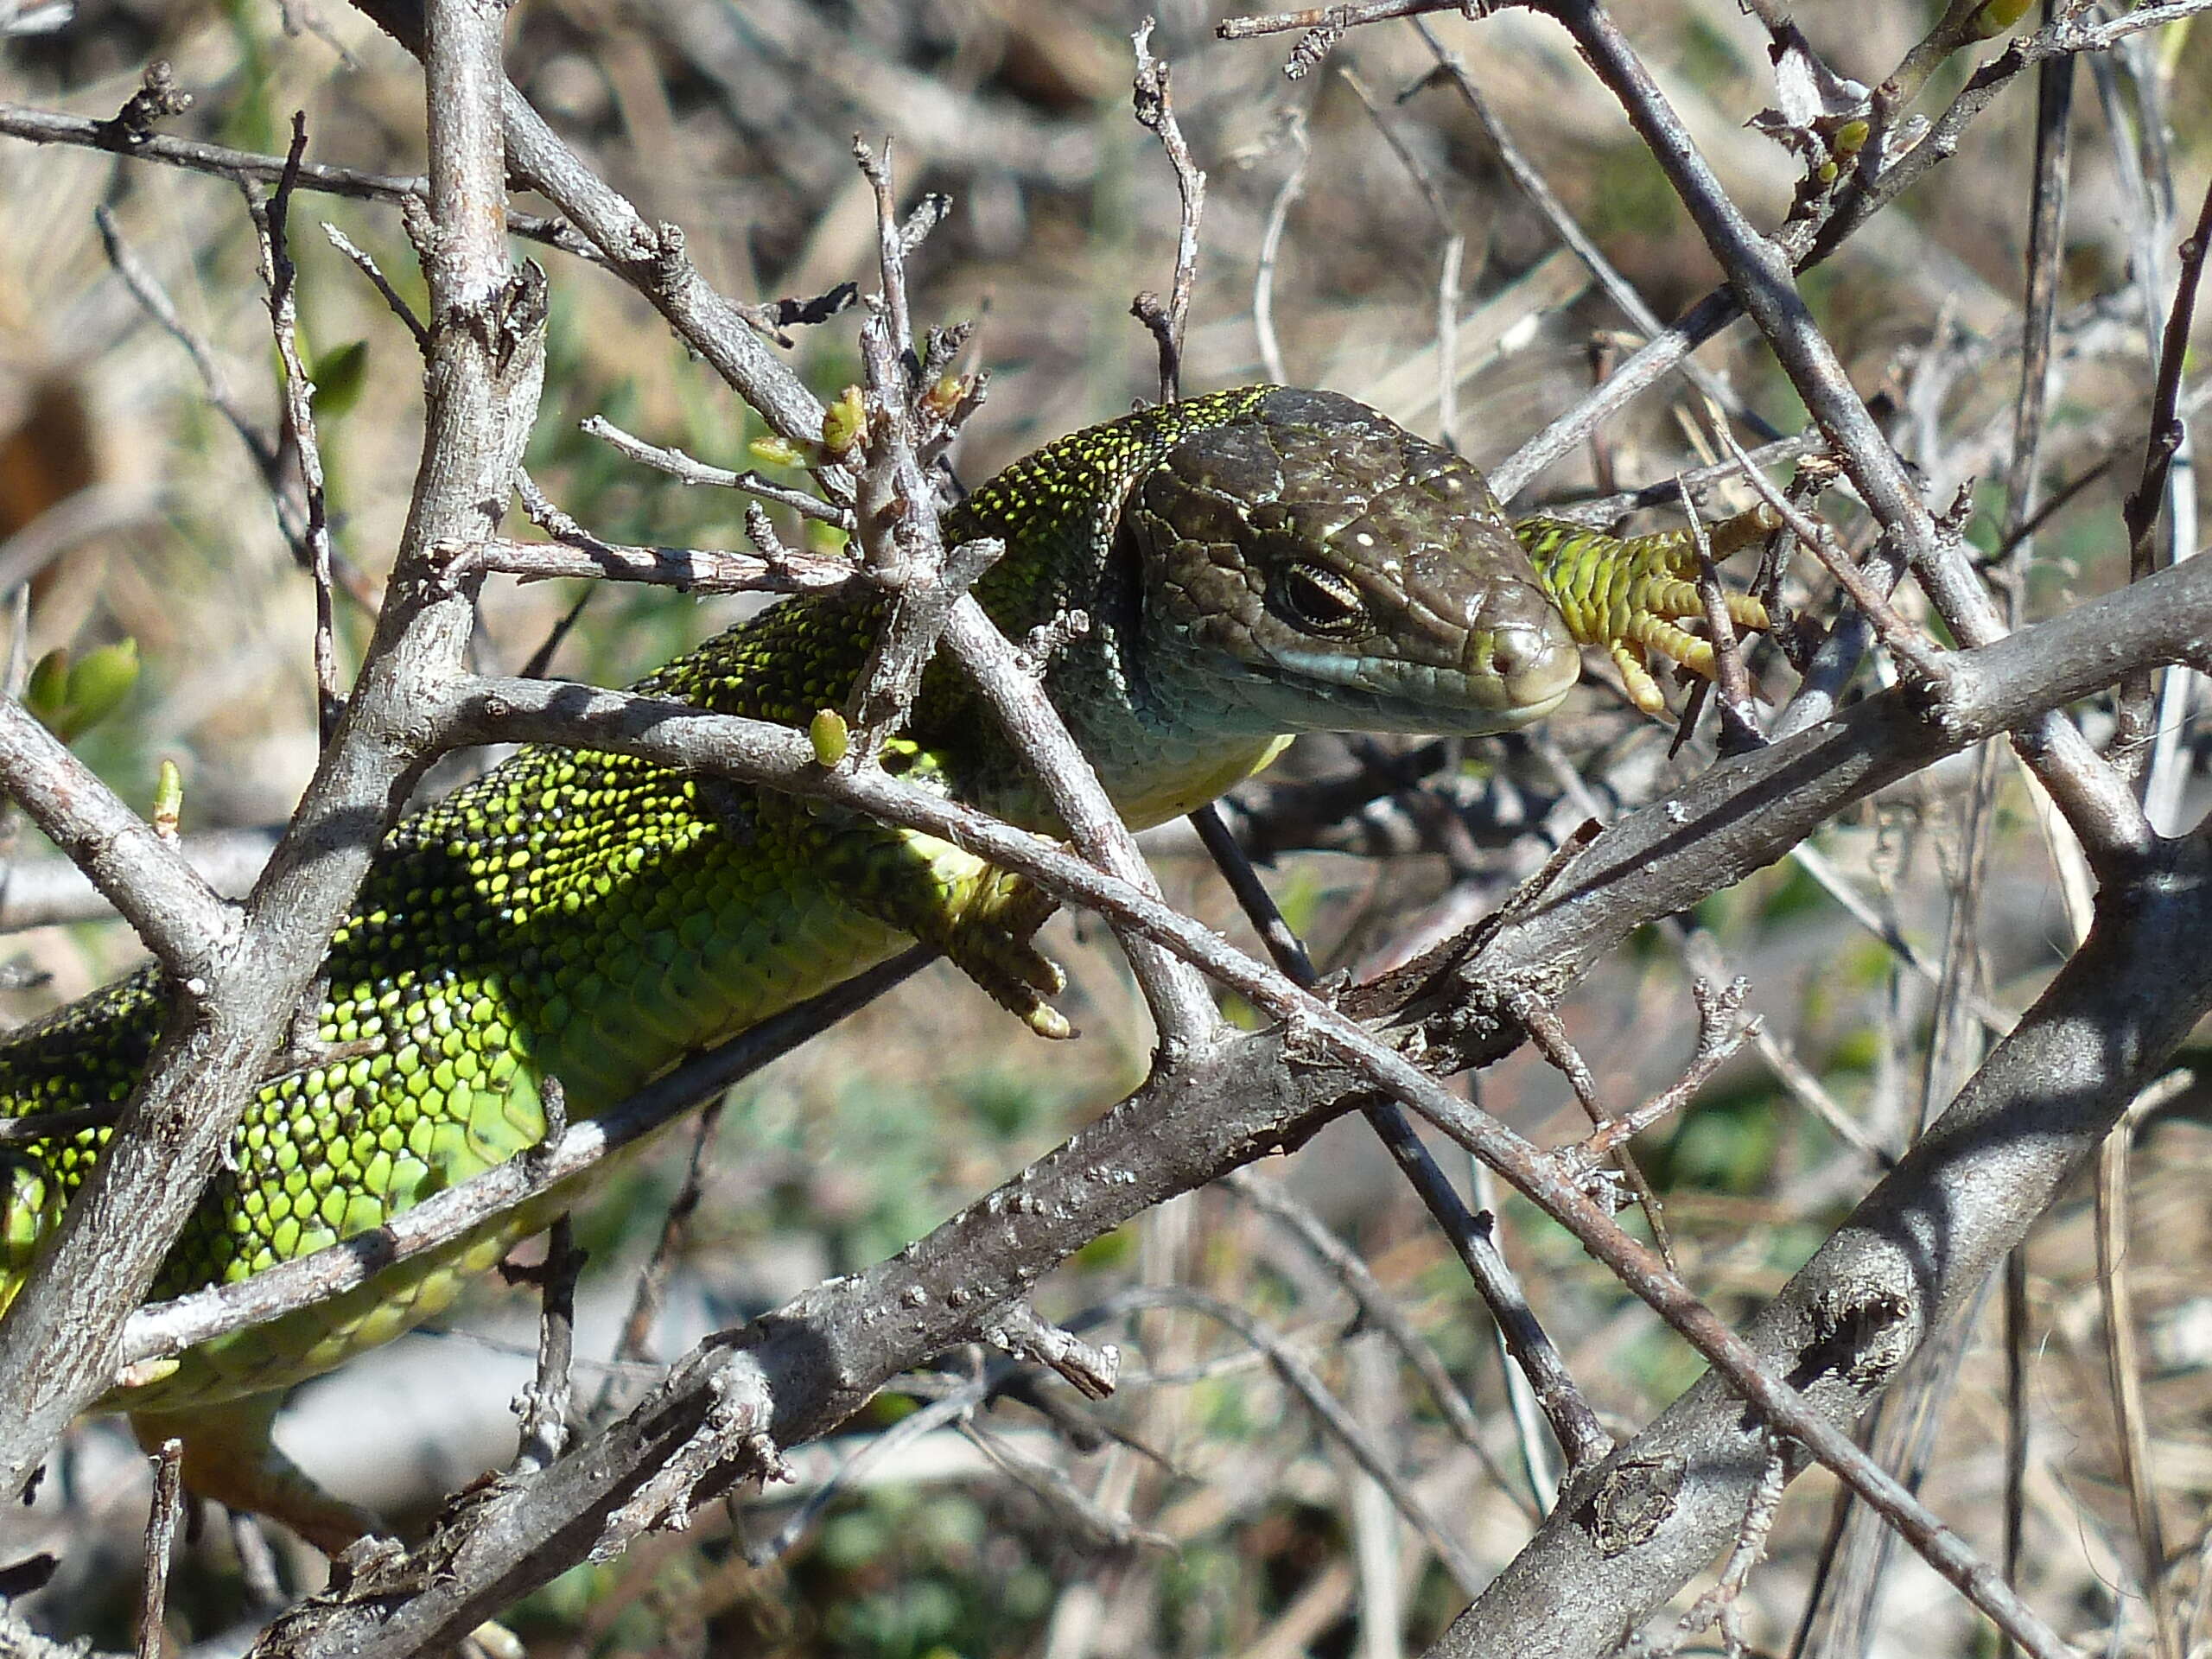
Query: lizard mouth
point(1511, 685)
point(1507, 675)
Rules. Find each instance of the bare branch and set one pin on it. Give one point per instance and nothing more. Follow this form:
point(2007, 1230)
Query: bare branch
point(168, 1508)
point(2096, 800)
point(281, 278)
point(61, 1337)
point(241, 166)
point(543, 1405)
point(1089, 1369)
point(698, 570)
point(1155, 112)
point(686, 470)
point(369, 268)
point(1329, 1412)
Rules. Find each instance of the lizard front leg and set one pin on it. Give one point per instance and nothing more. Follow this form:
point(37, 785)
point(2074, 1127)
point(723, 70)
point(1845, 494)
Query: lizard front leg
point(983, 919)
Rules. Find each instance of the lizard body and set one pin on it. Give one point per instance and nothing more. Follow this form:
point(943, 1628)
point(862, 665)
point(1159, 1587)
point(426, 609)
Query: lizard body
point(1250, 564)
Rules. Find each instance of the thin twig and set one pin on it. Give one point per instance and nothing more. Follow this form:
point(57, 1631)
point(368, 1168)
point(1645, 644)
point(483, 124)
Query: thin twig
point(1549, 1034)
point(1264, 271)
point(1910, 644)
point(1810, 242)
point(1155, 111)
point(1471, 1235)
point(147, 289)
point(1723, 1604)
point(1601, 511)
point(1447, 279)
point(2140, 512)
point(160, 1537)
point(282, 277)
point(1328, 1412)
point(1720, 1035)
point(1377, 1307)
point(543, 1404)
point(686, 470)
point(1532, 184)
point(374, 272)
point(242, 166)
point(2017, 1337)
point(2124, 1373)
point(1284, 948)
point(2046, 249)
point(1336, 19)
point(876, 1449)
point(267, 456)
point(2135, 131)
point(1092, 1523)
point(635, 1341)
point(1739, 725)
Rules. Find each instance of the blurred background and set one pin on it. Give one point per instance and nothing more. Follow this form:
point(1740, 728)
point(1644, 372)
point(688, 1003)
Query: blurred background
point(1203, 1510)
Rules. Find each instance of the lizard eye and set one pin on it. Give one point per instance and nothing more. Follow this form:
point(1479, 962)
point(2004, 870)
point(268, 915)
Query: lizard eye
point(1317, 600)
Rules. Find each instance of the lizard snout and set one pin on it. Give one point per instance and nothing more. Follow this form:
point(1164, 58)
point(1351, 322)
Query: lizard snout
point(1537, 664)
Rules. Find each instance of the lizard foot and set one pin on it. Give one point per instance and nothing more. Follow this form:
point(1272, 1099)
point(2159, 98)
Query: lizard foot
point(1632, 597)
point(992, 943)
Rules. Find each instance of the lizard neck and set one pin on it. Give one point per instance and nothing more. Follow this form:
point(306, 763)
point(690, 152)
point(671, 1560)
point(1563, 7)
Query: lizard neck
point(1159, 750)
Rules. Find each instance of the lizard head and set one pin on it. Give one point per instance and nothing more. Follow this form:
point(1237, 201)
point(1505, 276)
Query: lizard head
point(1311, 566)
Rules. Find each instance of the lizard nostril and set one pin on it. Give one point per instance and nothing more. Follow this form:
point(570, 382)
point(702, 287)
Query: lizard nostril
point(1535, 665)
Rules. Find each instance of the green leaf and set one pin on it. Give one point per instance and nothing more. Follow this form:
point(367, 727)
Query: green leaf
point(338, 377)
point(48, 688)
point(843, 422)
point(100, 680)
point(1994, 18)
point(71, 698)
point(168, 799)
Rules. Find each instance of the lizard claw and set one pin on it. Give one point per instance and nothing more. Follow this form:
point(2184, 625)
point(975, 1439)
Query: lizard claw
point(1048, 1021)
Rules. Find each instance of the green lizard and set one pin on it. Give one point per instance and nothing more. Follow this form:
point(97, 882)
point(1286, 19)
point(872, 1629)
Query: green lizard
point(1253, 564)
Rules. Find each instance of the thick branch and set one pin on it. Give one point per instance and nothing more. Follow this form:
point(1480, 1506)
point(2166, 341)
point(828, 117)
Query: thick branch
point(59, 1342)
point(40, 892)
